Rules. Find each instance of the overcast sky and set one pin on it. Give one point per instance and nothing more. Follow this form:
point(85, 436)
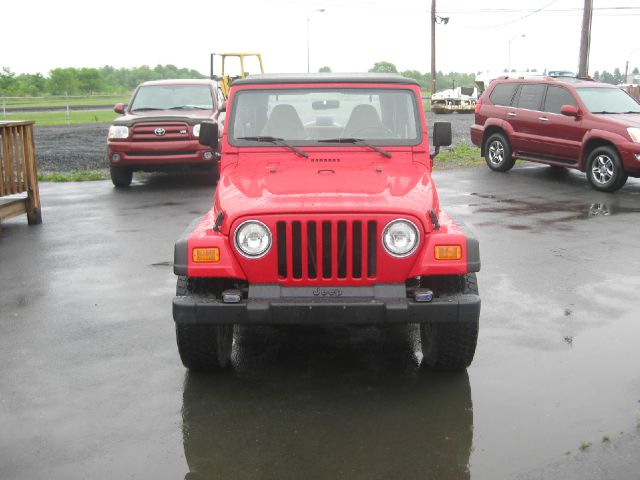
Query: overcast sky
point(350, 35)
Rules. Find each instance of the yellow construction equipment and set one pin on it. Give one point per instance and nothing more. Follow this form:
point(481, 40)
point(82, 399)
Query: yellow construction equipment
point(224, 78)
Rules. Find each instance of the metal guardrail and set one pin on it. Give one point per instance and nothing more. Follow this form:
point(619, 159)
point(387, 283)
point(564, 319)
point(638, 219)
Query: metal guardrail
point(18, 172)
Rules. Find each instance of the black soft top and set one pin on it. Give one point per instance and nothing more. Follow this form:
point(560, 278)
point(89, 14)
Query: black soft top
point(275, 78)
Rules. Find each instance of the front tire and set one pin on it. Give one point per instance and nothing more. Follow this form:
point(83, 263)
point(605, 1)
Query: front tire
point(451, 346)
point(498, 153)
point(203, 348)
point(604, 170)
point(121, 176)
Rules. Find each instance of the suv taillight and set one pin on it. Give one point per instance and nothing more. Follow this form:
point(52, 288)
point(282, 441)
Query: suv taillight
point(478, 105)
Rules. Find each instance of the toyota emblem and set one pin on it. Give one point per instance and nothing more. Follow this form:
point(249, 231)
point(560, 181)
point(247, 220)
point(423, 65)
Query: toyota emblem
point(159, 131)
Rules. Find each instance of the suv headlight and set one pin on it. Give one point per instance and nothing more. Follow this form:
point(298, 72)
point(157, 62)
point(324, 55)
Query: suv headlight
point(634, 133)
point(196, 130)
point(253, 239)
point(118, 131)
point(400, 238)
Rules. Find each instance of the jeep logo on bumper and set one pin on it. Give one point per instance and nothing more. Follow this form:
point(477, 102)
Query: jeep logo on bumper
point(159, 132)
point(327, 292)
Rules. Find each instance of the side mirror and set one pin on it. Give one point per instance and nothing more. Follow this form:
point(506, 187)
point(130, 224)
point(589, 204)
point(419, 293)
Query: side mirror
point(119, 108)
point(208, 134)
point(569, 111)
point(441, 136)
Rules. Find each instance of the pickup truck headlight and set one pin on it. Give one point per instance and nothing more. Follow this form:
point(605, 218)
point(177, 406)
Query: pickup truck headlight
point(118, 131)
point(196, 130)
point(634, 133)
point(253, 239)
point(400, 238)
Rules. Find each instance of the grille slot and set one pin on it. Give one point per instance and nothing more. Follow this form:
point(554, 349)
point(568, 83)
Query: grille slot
point(327, 250)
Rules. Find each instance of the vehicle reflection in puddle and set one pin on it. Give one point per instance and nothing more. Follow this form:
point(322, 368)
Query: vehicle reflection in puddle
point(541, 212)
point(319, 402)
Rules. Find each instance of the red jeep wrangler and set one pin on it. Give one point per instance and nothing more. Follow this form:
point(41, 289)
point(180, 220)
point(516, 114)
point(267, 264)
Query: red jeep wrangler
point(326, 212)
point(159, 129)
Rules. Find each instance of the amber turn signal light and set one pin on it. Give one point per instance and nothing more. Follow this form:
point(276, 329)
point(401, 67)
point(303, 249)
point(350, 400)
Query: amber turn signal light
point(448, 252)
point(206, 255)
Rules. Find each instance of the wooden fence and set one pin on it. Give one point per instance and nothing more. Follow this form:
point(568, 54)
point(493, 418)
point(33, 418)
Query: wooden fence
point(634, 91)
point(18, 172)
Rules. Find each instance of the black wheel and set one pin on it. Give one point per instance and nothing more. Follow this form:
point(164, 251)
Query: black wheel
point(203, 347)
point(497, 153)
point(604, 169)
point(451, 346)
point(121, 176)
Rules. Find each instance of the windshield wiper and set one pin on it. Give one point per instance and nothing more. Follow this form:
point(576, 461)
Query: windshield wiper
point(277, 141)
point(356, 141)
point(188, 107)
point(145, 109)
point(604, 111)
point(632, 111)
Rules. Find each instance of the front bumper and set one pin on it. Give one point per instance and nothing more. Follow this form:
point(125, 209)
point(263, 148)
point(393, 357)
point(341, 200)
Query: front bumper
point(145, 154)
point(272, 304)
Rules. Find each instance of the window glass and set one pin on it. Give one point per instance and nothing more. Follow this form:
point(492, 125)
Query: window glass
point(306, 117)
point(608, 100)
point(530, 96)
point(503, 93)
point(556, 98)
point(173, 97)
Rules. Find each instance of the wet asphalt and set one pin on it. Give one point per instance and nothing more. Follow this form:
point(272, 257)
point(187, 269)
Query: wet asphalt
point(91, 385)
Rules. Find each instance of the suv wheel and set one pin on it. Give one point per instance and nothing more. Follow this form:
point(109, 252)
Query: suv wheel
point(497, 153)
point(120, 176)
point(451, 345)
point(203, 347)
point(604, 170)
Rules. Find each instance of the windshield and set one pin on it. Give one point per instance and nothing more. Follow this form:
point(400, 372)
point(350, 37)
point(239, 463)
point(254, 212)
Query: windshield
point(608, 100)
point(321, 116)
point(173, 97)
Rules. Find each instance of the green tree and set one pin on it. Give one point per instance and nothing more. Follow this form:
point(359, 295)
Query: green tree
point(617, 76)
point(63, 81)
point(324, 70)
point(384, 67)
point(596, 76)
point(635, 71)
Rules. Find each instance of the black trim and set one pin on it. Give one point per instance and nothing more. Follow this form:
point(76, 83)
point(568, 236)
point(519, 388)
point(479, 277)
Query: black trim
point(181, 249)
point(356, 307)
point(271, 78)
point(473, 248)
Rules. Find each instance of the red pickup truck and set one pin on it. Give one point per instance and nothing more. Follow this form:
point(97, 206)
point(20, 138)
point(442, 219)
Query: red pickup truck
point(158, 130)
point(326, 212)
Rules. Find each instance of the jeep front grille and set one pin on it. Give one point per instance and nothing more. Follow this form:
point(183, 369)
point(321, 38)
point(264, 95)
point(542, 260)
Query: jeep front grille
point(327, 249)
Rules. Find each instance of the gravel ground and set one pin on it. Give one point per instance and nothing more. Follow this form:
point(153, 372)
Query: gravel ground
point(84, 147)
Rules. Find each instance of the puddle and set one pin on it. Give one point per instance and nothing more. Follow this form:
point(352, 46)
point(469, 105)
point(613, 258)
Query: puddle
point(545, 211)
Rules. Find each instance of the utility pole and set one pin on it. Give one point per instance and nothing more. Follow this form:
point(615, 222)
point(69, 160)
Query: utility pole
point(433, 47)
point(585, 39)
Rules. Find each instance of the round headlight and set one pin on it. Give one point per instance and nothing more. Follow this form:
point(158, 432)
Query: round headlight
point(196, 130)
point(118, 131)
point(400, 238)
point(253, 239)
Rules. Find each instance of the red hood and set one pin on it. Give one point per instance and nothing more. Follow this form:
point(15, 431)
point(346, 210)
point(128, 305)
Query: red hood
point(188, 116)
point(623, 119)
point(343, 182)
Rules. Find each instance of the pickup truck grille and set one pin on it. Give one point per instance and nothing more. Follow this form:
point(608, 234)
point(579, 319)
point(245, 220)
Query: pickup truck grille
point(327, 249)
point(145, 132)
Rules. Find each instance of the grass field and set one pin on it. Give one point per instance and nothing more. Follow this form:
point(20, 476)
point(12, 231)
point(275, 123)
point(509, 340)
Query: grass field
point(60, 118)
point(459, 156)
point(47, 102)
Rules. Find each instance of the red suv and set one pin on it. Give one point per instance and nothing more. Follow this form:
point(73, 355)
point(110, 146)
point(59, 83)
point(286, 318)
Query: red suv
point(159, 128)
point(326, 212)
point(563, 122)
